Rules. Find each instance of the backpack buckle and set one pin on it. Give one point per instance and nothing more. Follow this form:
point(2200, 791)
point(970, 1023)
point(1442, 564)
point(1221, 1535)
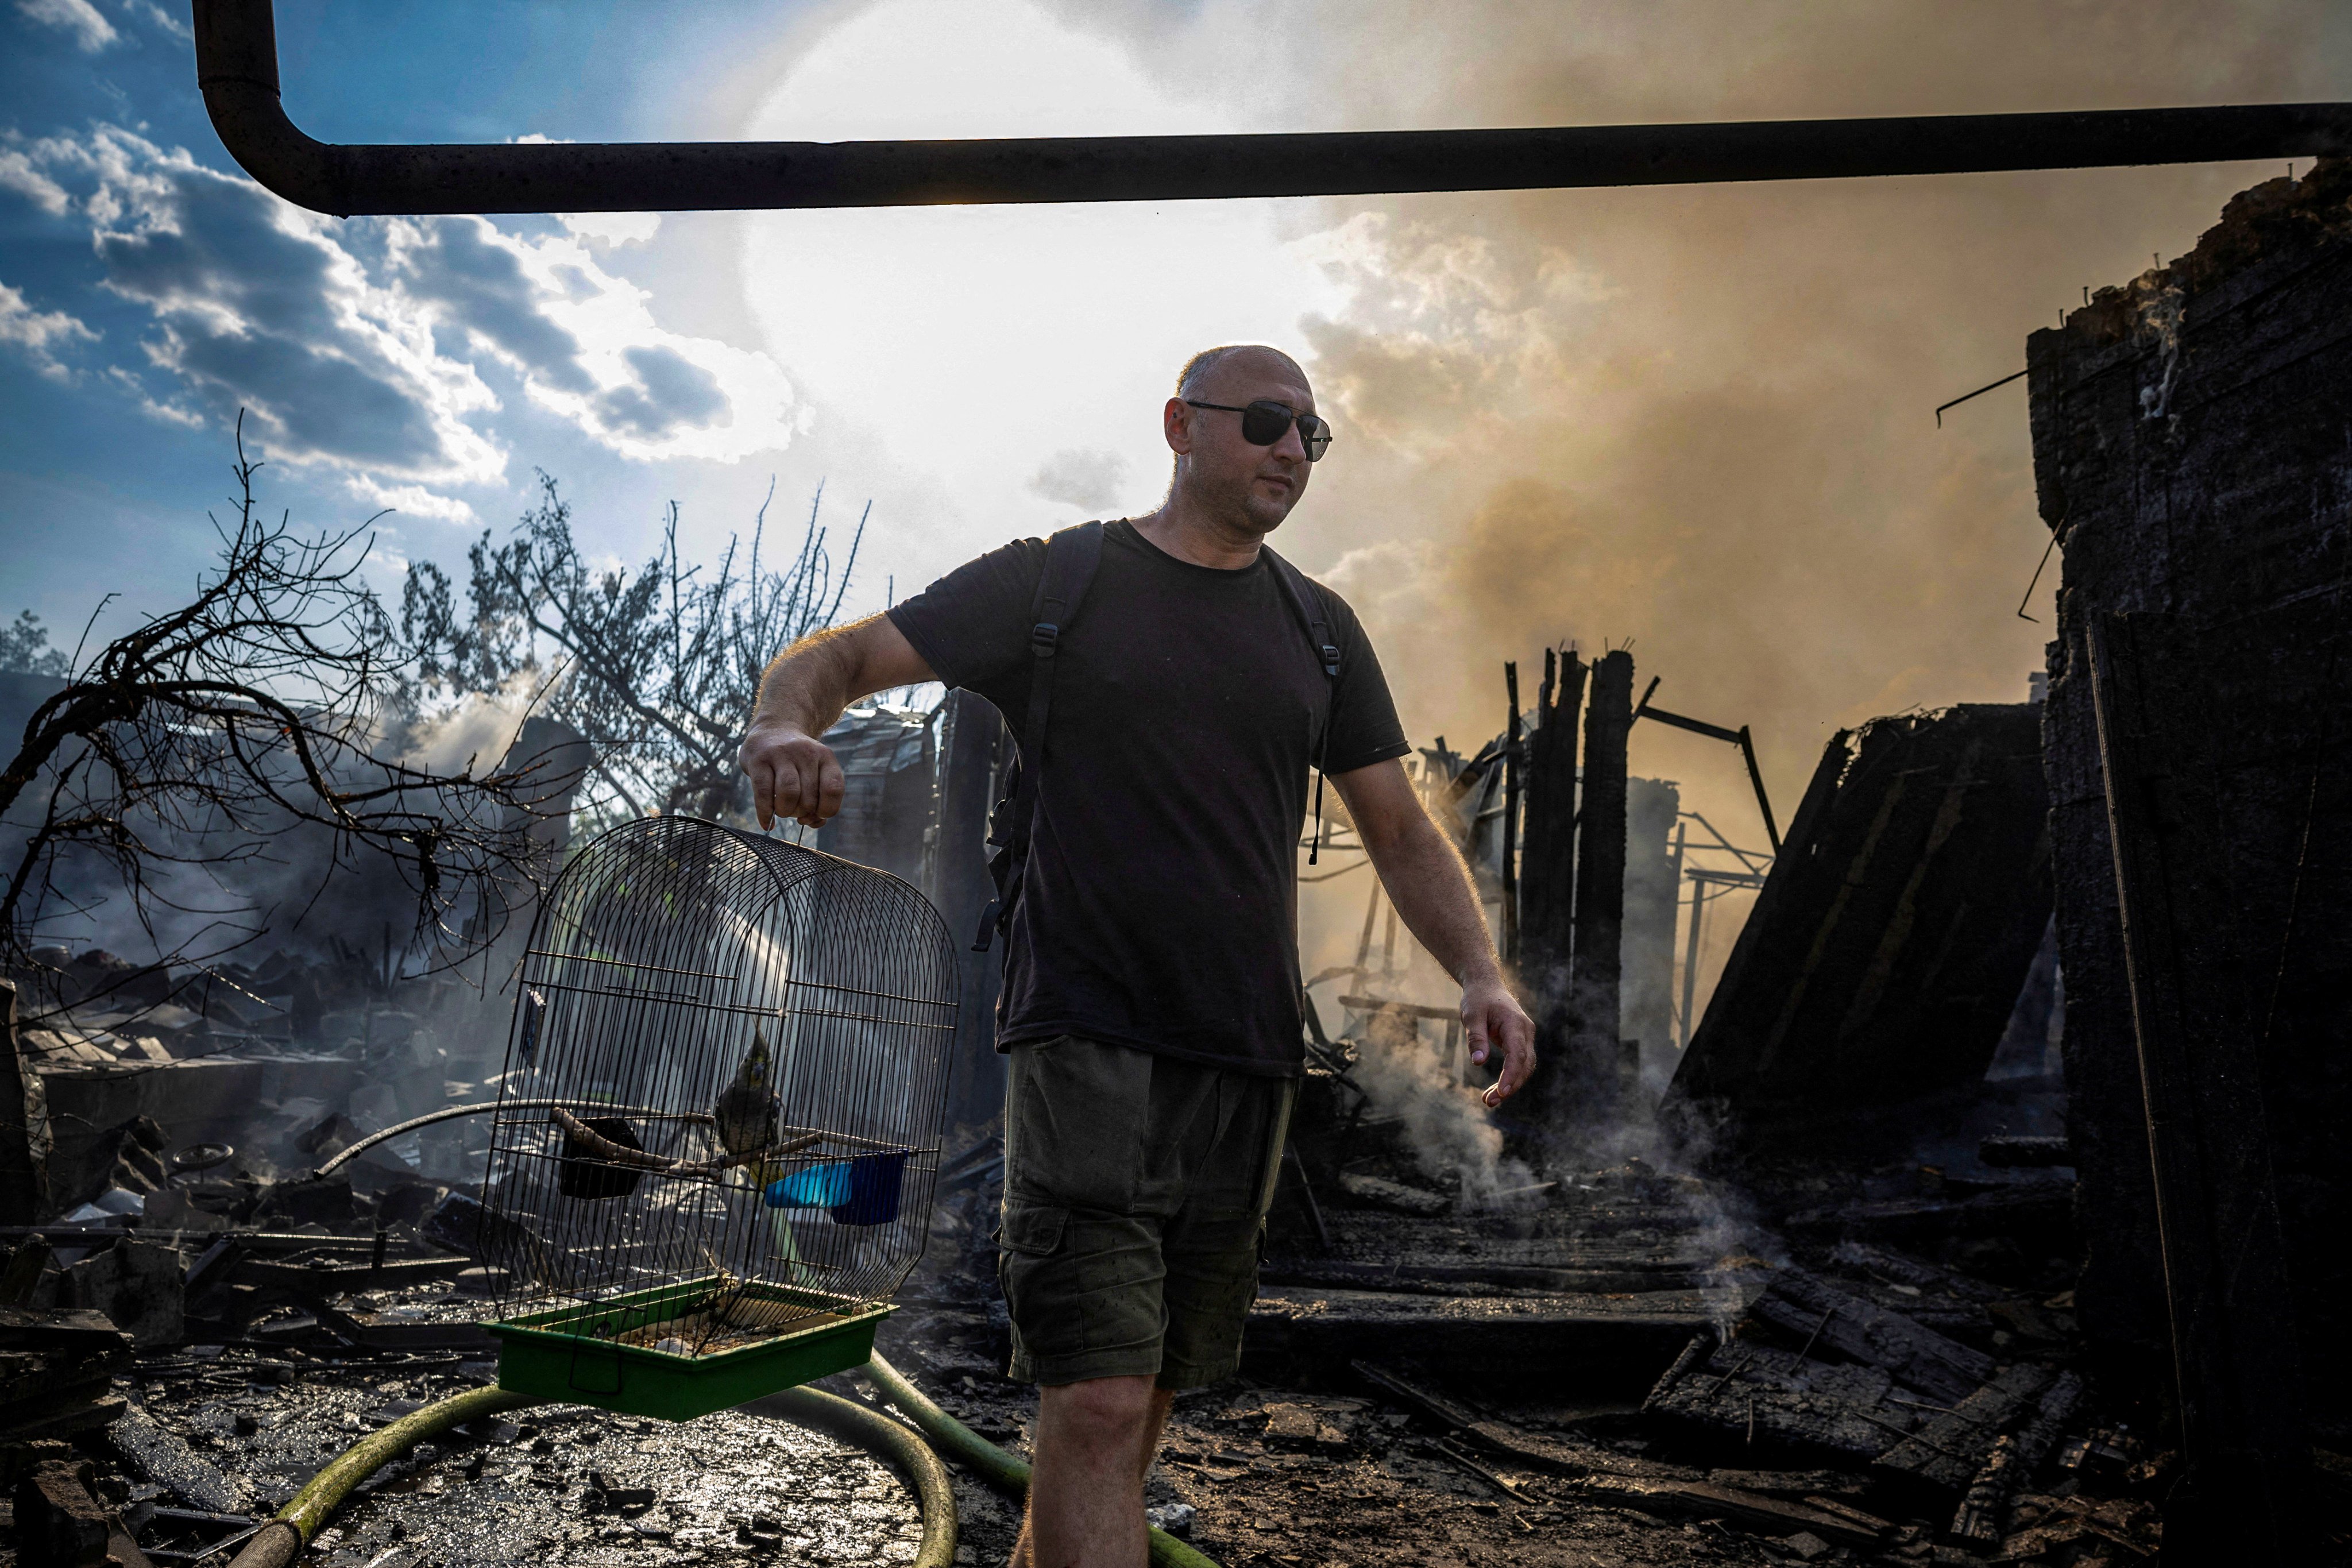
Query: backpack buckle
point(1330, 661)
point(1042, 638)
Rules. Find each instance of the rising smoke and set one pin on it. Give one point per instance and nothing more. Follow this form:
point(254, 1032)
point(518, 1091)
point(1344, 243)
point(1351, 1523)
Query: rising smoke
point(1700, 418)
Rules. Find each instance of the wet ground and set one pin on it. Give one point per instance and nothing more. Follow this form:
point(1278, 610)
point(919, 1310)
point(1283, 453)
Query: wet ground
point(543, 1485)
point(1276, 1476)
point(1299, 1463)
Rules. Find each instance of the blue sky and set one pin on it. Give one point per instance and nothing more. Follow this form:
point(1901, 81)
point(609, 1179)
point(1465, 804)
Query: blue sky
point(1694, 419)
point(129, 349)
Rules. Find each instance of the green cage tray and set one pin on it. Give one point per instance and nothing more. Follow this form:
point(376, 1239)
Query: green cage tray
point(573, 1352)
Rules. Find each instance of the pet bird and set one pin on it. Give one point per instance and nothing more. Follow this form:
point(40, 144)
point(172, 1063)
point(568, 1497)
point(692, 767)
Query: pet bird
point(745, 1114)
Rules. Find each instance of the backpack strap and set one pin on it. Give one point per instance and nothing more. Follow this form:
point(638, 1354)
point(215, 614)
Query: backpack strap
point(1071, 557)
point(1306, 603)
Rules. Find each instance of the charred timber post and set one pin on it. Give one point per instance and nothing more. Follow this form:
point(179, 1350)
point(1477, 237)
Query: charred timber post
point(1511, 822)
point(1547, 827)
point(2236, 1363)
point(1548, 878)
point(20, 1176)
point(236, 69)
point(1593, 970)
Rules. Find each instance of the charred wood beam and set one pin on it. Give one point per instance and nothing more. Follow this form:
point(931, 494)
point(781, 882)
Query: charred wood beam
point(236, 68)
point(21, 1184)
point(1594, 968)
point(1548, 874)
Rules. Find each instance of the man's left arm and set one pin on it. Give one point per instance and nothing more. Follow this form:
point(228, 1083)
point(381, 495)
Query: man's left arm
point(1429, 884)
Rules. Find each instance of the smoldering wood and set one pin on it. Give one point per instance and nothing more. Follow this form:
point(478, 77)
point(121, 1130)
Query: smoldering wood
point(1313, 1333)
point(1744, 1392)
point(1950, 1446)
point(1986, 1504)
point(1547, 879)
point(1815, 1311)
point(1591, 1061)
point(2187, 455)
point(2011, 1464)
point(1548, 835)
point(1902, 1269)
point(1889, 942)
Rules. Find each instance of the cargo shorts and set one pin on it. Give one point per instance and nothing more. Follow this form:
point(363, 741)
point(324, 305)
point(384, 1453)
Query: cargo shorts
point(1136, 1189)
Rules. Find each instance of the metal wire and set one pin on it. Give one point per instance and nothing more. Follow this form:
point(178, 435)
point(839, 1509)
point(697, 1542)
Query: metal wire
point(644, 1137)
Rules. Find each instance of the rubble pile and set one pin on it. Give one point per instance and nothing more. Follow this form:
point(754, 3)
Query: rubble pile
point(1635, 1366)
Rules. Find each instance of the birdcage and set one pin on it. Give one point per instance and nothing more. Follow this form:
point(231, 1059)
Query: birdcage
point(717, 1131)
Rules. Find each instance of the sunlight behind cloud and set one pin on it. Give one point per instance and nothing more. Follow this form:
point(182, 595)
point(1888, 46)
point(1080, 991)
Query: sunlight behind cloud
point(973, 343)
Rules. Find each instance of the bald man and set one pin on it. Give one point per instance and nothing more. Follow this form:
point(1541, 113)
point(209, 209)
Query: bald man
point(1152, 1000)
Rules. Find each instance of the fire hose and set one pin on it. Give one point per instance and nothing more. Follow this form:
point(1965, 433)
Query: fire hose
point(279, 1542)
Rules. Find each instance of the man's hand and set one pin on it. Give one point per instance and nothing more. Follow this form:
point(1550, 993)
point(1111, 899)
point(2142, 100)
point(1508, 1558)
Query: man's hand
point(1493, 1019)
point(1431, 887)
point(793, 775)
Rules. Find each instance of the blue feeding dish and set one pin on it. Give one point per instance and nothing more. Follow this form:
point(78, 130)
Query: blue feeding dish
point(818, 1187)
point(863, 1191)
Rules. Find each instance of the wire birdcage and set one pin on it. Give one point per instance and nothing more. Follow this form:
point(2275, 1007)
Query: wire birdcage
point(718, 1130)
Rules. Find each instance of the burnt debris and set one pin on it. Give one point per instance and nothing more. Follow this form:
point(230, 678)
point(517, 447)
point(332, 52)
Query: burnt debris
point(1888, 946)
point(1985, 1213)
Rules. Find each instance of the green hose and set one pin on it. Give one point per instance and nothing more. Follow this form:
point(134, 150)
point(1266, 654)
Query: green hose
point(281, 1541)
point(991, 1463)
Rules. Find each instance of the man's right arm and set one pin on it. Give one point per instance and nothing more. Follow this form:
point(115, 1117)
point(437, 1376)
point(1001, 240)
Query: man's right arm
point(793, 773)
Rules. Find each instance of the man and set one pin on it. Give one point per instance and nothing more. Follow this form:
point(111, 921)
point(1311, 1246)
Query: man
point(1151, 992)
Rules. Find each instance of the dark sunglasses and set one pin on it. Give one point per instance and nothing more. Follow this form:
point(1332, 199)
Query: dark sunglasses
point(1264, 422)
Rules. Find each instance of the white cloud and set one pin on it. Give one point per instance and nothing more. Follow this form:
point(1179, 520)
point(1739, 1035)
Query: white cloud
point(588, 346)
point(159, 16)
point(37, 333)
point(413, 500)
point(18, 174)
point(371, 346)
point(614, 228)
point(91, 29)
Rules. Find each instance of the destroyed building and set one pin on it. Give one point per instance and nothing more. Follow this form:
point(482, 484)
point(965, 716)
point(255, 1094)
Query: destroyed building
point(1837, 1271)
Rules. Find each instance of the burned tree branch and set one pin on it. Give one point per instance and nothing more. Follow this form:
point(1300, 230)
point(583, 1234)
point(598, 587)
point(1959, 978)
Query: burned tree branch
point(265, 705)
point(657, 668)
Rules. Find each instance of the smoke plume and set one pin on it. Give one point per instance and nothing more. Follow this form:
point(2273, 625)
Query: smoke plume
point(1700, 418)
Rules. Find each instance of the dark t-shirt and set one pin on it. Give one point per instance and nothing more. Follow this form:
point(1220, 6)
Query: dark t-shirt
point(1160, 905)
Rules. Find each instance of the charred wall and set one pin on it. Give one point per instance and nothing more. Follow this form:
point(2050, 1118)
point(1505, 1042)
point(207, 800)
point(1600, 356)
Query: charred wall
point(2193, 451)
point(1887, 946)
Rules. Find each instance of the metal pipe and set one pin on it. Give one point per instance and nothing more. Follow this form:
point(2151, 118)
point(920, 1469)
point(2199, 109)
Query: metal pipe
point(236, 68)
point(1756, 777)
